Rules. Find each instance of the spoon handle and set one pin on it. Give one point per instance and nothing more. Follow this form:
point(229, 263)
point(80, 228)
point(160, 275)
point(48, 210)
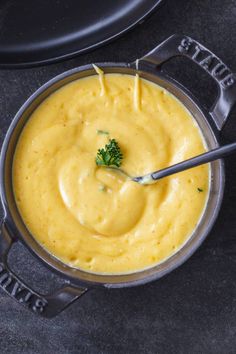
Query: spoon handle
point(195, 161)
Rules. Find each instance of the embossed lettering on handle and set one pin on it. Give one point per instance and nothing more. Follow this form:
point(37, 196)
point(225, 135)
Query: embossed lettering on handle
point(208, 61)
point(48, 305)
point(178, 45)
point(16, 289)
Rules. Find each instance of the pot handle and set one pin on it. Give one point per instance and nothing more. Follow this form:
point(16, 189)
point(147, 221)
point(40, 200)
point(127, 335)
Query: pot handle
point(178, 45)
point(47, 306)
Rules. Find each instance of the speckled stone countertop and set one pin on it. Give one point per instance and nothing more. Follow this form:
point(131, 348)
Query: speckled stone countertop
point(193, 309)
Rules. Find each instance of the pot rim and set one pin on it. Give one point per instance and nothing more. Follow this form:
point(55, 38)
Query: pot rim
point(52, 262)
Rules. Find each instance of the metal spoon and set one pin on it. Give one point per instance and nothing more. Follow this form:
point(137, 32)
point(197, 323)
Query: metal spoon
point(209, 156)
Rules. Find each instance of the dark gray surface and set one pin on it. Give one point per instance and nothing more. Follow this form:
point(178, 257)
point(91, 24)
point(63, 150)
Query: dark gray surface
point(192, 310)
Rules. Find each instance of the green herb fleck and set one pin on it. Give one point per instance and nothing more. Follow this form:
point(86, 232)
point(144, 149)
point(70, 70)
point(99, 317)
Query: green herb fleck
point(200, 190)
point(110, 155)
point(102, 132)
point(102, 188)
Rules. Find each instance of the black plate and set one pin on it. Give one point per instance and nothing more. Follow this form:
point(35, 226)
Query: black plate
point(42, 31)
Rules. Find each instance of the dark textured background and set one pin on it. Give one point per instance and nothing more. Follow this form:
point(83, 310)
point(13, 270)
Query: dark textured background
point(192, 310)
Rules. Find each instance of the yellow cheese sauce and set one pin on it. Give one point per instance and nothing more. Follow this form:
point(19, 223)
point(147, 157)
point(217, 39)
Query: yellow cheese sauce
point(94, 218)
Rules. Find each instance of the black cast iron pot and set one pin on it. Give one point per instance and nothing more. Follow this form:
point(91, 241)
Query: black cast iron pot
point(77, 282)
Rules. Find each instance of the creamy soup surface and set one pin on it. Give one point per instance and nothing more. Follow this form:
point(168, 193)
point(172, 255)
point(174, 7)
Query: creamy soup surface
point(94, 218)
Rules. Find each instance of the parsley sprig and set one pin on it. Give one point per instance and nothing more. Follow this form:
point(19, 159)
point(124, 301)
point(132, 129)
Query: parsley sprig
point(110, 155)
